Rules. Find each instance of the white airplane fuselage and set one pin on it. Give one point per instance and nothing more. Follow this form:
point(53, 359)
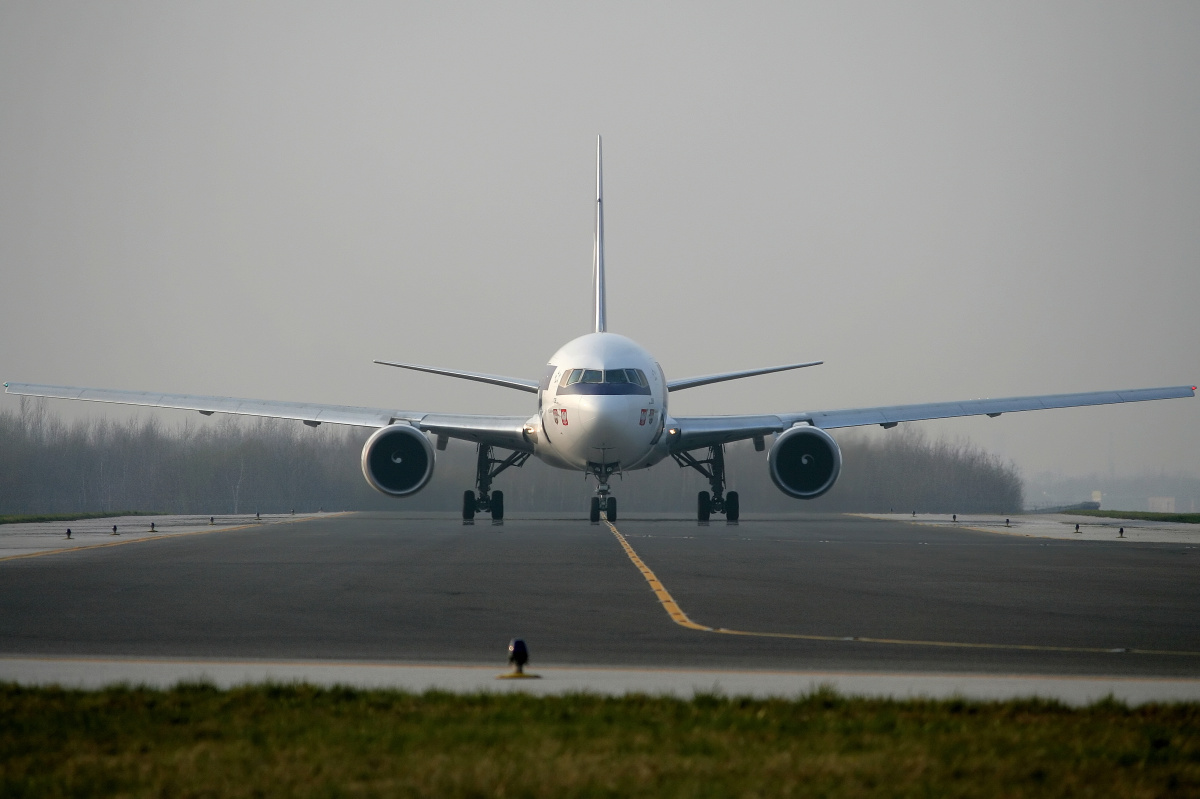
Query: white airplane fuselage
point(602, 400)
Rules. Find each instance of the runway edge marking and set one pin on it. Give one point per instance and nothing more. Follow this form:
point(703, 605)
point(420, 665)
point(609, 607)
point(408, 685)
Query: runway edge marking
point(679, 617)
point(166, 536)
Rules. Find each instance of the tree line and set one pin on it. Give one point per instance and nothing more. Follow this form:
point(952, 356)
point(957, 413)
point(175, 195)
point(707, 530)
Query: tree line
point(231, 465)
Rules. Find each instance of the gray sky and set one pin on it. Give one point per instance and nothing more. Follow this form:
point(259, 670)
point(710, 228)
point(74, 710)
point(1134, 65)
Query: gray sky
point(941, 200)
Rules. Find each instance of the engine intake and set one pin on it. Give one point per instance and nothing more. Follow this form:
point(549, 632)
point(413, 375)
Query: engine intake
point(397, 460)
point(804, 462)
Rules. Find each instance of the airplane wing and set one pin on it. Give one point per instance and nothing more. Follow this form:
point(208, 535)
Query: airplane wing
point(704, 431)
point(498, 431)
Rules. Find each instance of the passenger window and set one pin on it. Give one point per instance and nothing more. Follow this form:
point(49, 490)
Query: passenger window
point(593, 376)
point(615, 376)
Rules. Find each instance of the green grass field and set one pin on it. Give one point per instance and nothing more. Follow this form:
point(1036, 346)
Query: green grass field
point(1146, 516)
point(29, 518)
point(298, 740)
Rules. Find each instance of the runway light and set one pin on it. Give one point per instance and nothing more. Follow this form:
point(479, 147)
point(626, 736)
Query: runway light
point(518, 654)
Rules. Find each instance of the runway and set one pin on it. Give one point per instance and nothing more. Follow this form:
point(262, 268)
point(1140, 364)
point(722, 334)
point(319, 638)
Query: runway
point(810, 593)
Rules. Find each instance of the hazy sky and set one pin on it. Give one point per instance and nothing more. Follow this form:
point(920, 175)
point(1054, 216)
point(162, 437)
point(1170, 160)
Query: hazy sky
point(941, 200)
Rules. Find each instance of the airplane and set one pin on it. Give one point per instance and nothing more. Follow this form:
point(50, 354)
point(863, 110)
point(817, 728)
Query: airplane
point(602, 409)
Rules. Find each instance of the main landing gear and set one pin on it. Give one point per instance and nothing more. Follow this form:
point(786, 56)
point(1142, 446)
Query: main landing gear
point(712, 468)
point(602, 503)
point(486, 469)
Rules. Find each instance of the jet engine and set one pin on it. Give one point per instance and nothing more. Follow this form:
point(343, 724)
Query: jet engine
point(804, 462)
point(397, 460)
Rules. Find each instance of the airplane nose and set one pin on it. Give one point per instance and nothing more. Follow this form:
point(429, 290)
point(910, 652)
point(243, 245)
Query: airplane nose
point(610, 422)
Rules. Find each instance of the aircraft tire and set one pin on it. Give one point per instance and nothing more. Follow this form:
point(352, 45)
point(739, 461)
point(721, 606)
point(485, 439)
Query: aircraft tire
point(594, 512)
point(497, 505)
point(610, 509)
point(732, 507)
point(703, 506)
point(468, 507)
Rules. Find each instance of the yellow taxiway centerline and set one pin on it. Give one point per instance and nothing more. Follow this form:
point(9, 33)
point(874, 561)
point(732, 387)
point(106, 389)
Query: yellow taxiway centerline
point(679, 617)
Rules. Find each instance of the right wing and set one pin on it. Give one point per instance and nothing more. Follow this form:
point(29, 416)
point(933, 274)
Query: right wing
point(499, 431)
point(705, 431)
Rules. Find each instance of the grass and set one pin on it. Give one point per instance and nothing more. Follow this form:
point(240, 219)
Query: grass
point(298, 740)
point(71, 517)
point(1189, 518)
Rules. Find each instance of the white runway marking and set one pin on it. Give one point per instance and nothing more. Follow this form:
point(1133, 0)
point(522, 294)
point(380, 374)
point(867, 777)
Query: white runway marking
point(459, 678)
point(1055, 525)
point(31, 539)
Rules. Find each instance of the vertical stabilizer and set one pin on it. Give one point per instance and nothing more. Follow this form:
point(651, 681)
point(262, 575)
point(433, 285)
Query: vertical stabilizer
point(598, 305)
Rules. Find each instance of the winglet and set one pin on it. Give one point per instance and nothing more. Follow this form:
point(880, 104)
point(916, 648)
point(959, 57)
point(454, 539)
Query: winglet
point(600, 314)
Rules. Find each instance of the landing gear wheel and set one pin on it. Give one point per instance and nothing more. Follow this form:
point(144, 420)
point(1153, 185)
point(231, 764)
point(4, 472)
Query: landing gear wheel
point(732, 508)
point(497, 506)
point(468, 506)
point(594, 514)
point(610, 509)
point(703, 506)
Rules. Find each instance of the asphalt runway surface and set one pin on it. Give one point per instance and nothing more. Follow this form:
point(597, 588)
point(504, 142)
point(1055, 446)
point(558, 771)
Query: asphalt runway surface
point(421, 589)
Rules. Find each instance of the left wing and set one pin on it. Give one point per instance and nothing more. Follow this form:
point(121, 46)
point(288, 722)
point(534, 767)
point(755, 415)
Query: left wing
point(499, 431)
point(704, 431)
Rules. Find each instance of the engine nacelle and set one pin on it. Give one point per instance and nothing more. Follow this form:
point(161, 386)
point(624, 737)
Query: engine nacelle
point(397, 460)
point(804, 462)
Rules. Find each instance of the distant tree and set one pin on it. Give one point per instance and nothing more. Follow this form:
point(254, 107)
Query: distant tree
point(231, 465)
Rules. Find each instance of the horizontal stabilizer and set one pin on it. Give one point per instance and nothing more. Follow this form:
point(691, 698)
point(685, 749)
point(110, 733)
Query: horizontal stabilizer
point(692, 382)
point(496, 380)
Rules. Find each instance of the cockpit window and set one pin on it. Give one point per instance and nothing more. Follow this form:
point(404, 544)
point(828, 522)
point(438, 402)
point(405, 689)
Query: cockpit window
point(633, 381)
point(616, 376)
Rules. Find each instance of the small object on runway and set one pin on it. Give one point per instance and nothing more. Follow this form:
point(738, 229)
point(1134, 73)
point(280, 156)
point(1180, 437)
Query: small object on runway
point(518, 655)
point(152, 527)
point(69, 533)
point(1120, 533)
point(114, 532)
point(212, 520)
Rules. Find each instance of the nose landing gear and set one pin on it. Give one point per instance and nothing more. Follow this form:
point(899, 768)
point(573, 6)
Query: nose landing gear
point(486, 469)
point(603, 502)
point(712, 468)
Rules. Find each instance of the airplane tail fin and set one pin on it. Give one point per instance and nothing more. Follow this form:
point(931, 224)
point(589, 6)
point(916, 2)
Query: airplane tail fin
point(600, 314)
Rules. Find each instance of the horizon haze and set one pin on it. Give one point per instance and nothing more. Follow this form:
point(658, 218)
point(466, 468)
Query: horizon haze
point(941, 201)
